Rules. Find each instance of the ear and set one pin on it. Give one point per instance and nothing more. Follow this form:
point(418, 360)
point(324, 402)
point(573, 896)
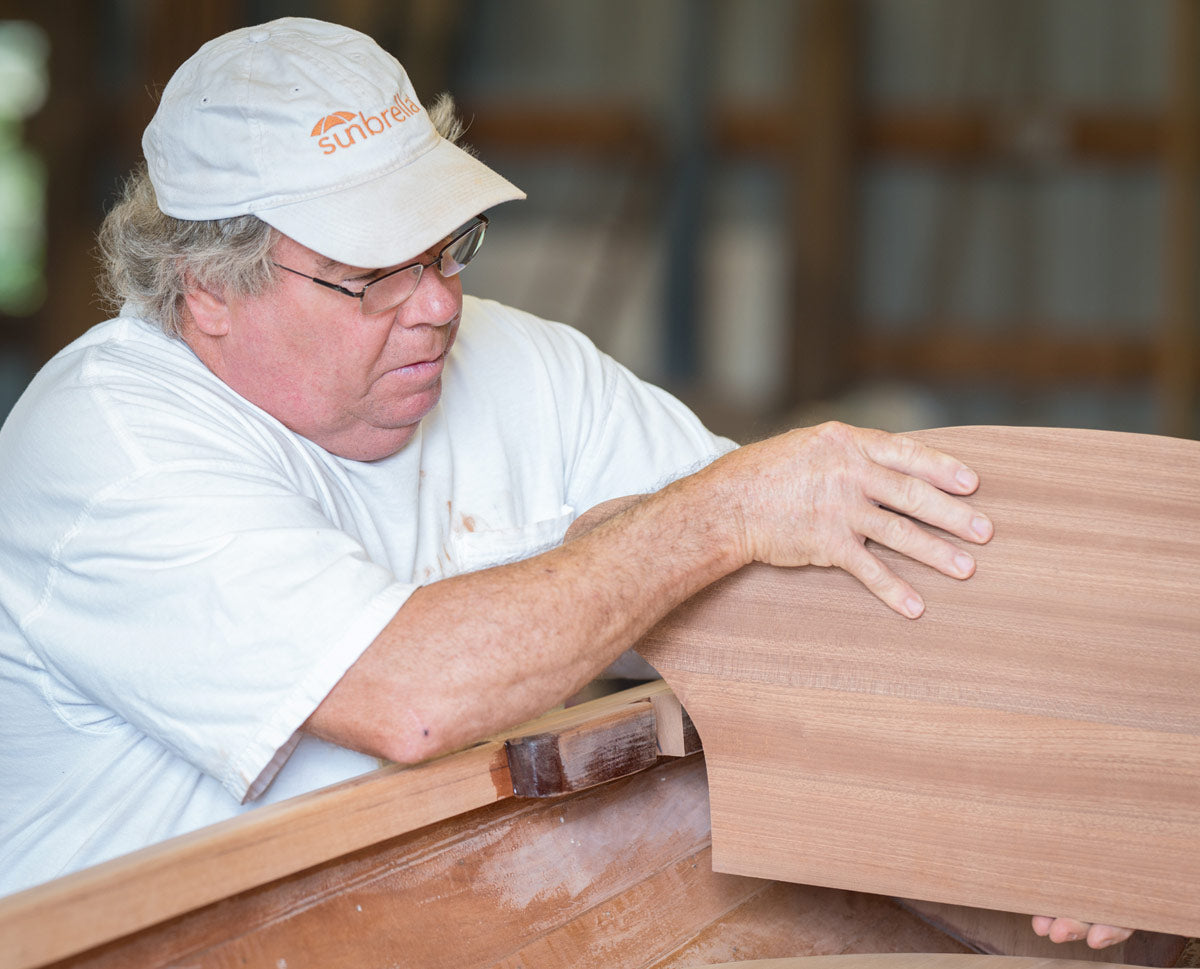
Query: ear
point(207, 308)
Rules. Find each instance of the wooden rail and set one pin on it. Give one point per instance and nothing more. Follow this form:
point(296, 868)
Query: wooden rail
point(110, 900)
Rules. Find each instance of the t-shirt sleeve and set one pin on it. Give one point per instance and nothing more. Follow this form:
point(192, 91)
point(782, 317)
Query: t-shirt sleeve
point(226, 606)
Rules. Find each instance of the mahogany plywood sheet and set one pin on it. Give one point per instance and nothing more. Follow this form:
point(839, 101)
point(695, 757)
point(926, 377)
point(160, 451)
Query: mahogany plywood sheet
point(1031, 744)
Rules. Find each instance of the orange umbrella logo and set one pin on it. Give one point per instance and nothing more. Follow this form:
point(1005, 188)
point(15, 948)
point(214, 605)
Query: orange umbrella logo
point(332, 121)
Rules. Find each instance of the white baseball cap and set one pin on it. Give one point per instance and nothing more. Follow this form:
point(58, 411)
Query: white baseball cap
point(316, 130)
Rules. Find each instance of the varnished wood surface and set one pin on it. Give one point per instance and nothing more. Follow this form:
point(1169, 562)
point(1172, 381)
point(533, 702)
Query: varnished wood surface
point(1031, 744)
point(90, 907)
point(552, 763)
point(615, 877)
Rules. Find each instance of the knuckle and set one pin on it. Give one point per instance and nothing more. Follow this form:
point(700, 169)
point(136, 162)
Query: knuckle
point(832, 431)
point(908, 448)
point(912, 494)
point(897, 531)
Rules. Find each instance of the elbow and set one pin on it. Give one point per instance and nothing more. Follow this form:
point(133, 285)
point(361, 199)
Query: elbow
point(408, 739)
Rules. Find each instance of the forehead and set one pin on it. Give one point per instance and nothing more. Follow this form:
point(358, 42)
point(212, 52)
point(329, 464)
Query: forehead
point(289, 248)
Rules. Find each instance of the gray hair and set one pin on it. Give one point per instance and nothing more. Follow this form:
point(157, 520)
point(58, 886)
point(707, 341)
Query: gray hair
point(152, 260)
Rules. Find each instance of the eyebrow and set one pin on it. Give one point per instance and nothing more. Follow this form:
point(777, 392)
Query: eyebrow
point(331, 267)
point(327, 265)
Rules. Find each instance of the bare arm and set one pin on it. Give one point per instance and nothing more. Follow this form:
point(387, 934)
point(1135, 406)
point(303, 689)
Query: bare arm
point(470, 655)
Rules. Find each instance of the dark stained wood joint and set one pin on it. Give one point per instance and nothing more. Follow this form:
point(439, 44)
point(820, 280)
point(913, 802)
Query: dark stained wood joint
point(621, 742)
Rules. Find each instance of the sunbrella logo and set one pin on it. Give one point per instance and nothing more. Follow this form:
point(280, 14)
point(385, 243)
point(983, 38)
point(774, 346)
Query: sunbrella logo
point(341, 129)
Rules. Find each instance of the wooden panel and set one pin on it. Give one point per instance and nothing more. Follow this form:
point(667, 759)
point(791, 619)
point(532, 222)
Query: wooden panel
point(1031, 744)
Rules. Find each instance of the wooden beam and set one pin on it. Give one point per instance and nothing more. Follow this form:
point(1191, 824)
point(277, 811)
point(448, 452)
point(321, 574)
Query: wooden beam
point(126, 894)
point(958, 136)
point(821, 167)
point(953, 352)
point(1178, 342)
point(596, 130)
point(939, 136)
point(557, 762)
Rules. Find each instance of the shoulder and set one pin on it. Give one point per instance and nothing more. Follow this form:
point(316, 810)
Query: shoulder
point(492, 331)
point(125, 397)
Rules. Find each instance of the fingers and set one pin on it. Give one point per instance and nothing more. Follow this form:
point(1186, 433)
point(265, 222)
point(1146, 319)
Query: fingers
point(908, 538)
point(882, 582)
point(1098, 936)
point(926, 502)
point(1041, 925)
point(911, 457)
point(815, 496)
point(1102, 936)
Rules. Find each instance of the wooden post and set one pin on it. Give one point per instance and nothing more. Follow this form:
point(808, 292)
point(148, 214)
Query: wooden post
point(1176, 371)
point(823, 149)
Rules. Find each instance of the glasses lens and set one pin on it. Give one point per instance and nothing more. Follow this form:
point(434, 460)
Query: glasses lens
point(390, 291)
point(461, 250)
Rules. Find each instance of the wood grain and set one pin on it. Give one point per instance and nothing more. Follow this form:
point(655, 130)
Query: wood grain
point(677, 735)
point(1032, 744)
point(801, 920)
point(618, 876)
point(93, 906)
point(553, 763)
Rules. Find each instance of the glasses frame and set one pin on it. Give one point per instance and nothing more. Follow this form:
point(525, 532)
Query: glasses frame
point(479, 222)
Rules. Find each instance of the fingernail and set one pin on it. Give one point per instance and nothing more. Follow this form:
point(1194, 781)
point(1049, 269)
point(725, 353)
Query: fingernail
point(964, 563)
point(981, 527)
point(967, 478)
point(913, 606)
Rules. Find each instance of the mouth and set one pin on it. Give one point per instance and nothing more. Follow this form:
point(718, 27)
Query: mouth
point(427, 370)
point(421, 369)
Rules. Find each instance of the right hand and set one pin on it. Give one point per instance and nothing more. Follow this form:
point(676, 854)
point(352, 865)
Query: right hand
point(814, 496)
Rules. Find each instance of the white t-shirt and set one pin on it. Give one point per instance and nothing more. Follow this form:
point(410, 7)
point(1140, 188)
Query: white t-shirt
point(183, 579)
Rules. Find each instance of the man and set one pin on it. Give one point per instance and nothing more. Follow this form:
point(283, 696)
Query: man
point(264, 528)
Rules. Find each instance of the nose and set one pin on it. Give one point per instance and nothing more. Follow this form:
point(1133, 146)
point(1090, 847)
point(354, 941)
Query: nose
point(436, 301)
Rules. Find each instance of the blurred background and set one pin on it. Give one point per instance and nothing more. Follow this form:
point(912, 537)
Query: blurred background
point(902, 213)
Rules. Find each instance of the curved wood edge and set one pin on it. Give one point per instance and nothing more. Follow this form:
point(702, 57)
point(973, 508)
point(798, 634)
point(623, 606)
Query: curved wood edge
point(87, 908)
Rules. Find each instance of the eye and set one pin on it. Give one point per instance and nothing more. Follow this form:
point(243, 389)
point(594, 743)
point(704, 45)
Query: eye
point(357, 283)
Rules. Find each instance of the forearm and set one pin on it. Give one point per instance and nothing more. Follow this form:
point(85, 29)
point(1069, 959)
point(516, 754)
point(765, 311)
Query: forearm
point(470, 655)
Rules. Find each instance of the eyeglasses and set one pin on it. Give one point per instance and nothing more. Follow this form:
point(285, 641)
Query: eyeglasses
point(389, 291)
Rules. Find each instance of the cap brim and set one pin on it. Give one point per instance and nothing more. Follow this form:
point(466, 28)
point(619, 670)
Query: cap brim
point(396, 216)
